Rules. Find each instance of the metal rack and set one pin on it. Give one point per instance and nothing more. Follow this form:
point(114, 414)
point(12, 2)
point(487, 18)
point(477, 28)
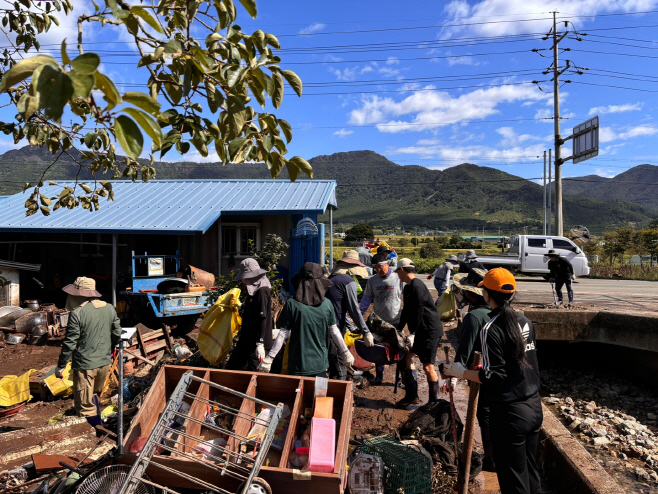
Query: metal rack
point(239, 460)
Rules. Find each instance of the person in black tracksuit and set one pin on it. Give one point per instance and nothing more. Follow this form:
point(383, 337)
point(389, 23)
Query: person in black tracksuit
point(561, 273)
point(256, 331)
point(510, 384)
point(425, 331)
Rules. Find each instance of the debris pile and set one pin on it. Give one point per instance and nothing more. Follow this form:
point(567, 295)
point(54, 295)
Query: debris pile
point(600, 417)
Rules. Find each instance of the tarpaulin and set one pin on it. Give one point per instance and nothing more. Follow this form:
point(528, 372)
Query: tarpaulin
point(220, 325)
point(15, 389)
point(60, 387)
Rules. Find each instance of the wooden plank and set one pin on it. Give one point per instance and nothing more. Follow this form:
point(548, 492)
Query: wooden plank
point(343, 433)
point(138, 333)
point(297, 410)
point(167, 336)
point(152, 335)
point(154, 347)
point(148, 414)
point(280, 479)
point(198, 412)
point(242, 424)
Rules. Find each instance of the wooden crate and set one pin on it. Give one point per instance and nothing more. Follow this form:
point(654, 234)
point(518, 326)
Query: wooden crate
point(295, 391)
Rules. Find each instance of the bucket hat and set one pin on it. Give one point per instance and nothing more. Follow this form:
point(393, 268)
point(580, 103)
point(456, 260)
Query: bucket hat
point(350, 264)
point(249, 268)
point(468, 282)
point(553, 253)
point(351, 257)
point(82, 287)
point(470, 254)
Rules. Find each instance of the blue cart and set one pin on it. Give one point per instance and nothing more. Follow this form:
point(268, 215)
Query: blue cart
point(178, 311)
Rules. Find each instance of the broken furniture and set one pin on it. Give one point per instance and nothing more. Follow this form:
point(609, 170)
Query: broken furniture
point(242, 439)
point(297, 393)
point(158, 297)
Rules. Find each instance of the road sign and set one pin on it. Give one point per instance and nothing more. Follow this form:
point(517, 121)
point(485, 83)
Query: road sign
point(586, 140)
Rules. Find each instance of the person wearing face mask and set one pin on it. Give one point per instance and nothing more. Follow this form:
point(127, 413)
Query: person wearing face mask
point(510, 385)
point(256, 332)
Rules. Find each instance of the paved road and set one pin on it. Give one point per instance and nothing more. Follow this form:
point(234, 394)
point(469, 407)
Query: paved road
point(617, 295)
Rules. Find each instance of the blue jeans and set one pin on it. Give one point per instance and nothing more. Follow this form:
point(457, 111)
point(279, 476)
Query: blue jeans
point(441, 286)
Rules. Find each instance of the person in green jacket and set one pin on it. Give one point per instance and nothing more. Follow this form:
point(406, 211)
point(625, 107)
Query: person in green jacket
point(474, 320)
point(93, 331)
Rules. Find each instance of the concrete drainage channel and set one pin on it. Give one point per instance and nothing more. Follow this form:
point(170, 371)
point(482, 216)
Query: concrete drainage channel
point(600, 432)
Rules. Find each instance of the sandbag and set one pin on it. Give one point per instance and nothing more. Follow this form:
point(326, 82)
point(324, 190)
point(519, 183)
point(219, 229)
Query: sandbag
point(60, 387)
point(220, 325)
point(446, 305)
point(15, 389)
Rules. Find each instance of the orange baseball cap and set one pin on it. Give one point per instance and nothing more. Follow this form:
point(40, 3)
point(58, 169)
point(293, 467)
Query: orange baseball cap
point(499, 280)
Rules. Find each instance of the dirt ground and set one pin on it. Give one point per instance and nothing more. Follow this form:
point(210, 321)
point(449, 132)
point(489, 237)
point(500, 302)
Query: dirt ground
point(18, 359)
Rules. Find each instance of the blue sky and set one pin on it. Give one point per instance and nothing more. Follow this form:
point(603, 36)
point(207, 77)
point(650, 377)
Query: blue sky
point(441, 83)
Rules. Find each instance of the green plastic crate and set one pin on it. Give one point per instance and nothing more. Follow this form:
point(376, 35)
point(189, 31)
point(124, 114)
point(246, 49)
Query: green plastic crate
point(406, 470)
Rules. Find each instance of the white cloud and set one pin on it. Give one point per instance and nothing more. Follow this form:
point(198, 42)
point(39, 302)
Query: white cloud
point(460, 12)
point(192, 156)
point(431, 109)
point(366, 69)
point(466, 60)
point(387, 71)
point(605, 173)
point(316, 27)
point(606, 134)
point(602, 110)
point(392, 61)
point(347, 74)
point(343, 132)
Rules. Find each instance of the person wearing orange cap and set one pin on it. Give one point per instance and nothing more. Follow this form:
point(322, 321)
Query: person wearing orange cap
point(510, 385)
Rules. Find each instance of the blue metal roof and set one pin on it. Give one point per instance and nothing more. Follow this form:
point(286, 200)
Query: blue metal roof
point(176, 207)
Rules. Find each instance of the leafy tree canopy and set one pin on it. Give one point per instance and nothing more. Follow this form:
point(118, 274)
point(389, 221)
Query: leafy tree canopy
point(200, 92)
point(359, 232)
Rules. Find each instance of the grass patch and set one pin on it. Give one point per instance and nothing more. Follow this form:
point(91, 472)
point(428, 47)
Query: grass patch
point(626, 271)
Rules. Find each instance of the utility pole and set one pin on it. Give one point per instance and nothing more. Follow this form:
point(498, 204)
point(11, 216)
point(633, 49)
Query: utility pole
point(550, 192)
point(544, 203)
point(556, 123)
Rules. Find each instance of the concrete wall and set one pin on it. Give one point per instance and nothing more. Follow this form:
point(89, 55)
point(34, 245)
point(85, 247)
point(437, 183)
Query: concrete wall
point(626, 330)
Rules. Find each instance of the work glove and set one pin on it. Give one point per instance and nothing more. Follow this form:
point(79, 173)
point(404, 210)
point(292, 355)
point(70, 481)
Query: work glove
point(265, 365)
point(58, 372)
point(454, 369)
point(260, 351)
point(410, 340)
point(349, 358)
point(368, 339)
point(429, 276)
point(450, 384)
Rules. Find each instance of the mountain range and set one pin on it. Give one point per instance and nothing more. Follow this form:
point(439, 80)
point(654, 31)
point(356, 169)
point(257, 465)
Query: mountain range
point(375, 190)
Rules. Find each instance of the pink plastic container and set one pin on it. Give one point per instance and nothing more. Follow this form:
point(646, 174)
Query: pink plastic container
point(322, 453)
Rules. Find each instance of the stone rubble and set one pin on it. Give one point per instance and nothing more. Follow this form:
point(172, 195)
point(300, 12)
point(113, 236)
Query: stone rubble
point(596, 409)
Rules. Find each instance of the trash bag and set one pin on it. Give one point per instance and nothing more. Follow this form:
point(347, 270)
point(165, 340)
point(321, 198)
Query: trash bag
point(60, 387)
point(220, 325)
point(446, 305)
point(15, 389)
point(350, 338)
point(385, 332)
point(431, 425)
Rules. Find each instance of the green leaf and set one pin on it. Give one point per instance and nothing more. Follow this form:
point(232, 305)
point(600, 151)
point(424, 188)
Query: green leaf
point(148, 18)
point(28, 105)
point(174, 47)
point(24, 69)
point(200, 146)
point(272, 41)
point(143, 101)
point(258, 38)
point(235, 146)
point(267, 143)
point(132, 24)
point(293, 171)
point(187, 78)
point(55, 88)
point(294, 81)
point(250, 7)
point(174, 91)
point(109, 90)
point(86, 64)
point(86, 188)
point(276, 164)
point(215, 98)
point(129, 136)
point(90, 138)
point(303, 165)
point(148, 123)
point(286, 129)
point(277, 95)
point(233, 75)
point(235, 124)
point(82, 84)
point(65, 58)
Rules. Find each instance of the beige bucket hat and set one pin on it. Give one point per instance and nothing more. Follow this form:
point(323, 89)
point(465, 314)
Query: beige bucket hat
point(82, 287)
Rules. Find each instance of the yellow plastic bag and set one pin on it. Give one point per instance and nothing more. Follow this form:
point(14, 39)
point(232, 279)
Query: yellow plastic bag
point(15, 389)
point(60, 387)
point(350, 338)
point(446, 305)
point(220, 325)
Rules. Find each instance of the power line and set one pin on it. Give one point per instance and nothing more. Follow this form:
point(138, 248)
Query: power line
point(615, 87)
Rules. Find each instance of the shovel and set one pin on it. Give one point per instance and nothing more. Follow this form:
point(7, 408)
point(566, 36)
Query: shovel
point(452, 411)
point(465, 474)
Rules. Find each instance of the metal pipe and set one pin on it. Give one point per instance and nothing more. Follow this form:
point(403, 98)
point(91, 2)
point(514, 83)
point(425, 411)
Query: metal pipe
point(550, 192)
point(114, 269)
point(120, 406)
point(331, 238)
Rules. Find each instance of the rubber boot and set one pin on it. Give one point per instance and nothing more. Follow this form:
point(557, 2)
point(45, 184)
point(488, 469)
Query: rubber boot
point(434, 391)
point(570, 298)
point(379, 375)
point(95, 420)
point(410, 390)
point(488, 464)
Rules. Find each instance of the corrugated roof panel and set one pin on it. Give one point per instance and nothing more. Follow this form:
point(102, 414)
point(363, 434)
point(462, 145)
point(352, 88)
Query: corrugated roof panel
point(172, 206)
